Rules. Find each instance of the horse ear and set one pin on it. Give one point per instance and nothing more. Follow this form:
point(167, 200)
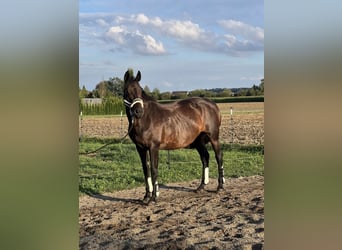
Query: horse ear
point(126, 77)
point(138, 77)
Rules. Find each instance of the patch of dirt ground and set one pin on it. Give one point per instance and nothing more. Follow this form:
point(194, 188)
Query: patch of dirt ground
point(180, 219)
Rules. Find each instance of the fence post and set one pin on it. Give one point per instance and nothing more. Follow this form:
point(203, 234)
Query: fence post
point(80, 135)
point(121, 123)
point(232, 127)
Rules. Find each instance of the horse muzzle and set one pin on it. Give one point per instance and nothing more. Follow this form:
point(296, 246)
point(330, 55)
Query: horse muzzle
point(137, 111)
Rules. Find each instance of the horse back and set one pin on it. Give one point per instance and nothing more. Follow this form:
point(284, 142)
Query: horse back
point(203, 110)
point(208, 109)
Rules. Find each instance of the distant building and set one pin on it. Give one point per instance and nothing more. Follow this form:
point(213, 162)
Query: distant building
point(91, 101)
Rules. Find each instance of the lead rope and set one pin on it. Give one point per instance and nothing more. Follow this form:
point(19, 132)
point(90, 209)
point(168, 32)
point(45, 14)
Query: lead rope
point(127, 104)
point(112, 142)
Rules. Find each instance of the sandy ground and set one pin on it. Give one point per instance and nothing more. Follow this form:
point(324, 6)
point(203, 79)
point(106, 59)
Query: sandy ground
point(180, 219)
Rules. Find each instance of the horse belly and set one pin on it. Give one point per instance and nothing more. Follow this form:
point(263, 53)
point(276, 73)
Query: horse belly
point(178, 138)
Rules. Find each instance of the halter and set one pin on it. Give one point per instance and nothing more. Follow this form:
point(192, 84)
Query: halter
point(130, 105)
point(135, 101)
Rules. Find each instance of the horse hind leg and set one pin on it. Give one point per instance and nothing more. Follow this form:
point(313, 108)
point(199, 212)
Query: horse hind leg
point(154, 156)
point(219, 159)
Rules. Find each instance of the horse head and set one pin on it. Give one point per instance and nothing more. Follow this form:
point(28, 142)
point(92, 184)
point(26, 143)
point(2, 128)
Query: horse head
point(133, 94)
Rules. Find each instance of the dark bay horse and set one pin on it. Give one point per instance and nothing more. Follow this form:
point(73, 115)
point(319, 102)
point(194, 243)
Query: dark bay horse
point(191, 122)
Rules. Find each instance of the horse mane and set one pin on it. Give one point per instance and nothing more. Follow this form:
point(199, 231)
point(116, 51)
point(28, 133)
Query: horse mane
point(147, 97)
point(130, 72)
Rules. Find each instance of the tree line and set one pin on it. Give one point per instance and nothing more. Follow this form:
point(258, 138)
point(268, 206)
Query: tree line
point(113, 88)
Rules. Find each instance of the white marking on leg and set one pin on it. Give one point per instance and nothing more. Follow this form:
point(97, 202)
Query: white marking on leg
point(150, 186)
point(206, 175)
point(223, 180)
point(157, 189)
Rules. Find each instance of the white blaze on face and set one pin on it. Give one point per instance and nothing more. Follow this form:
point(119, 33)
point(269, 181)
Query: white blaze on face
point(206, 175)
point(150, 186)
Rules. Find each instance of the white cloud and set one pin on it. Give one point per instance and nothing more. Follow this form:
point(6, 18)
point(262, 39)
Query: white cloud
point(243, 37)
point(243, 29)
point(146, 35)
point(138, 42)
point(142, 19)
point(117, 34)
point(156, 22)
point(230, 41)
point(101, 22)
point(185, 30)
point(237, 46)
point(145, 44)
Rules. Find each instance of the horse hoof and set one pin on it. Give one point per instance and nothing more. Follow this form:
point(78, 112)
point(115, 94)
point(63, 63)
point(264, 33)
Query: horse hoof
point(154, 199)
point(199, 189)
point(219, 189)
point(146, 200)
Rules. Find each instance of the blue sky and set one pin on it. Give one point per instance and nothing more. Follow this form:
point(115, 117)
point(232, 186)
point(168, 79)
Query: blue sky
point(177, 45)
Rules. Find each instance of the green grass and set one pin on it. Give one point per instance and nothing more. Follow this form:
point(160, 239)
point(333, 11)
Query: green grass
point(118, 167)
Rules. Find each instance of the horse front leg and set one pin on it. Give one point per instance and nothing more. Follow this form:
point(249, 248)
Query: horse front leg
point(154, 157)
point(203, 152)
point(147, 173)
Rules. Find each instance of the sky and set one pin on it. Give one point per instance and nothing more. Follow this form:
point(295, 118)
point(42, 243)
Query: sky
point(176, 45)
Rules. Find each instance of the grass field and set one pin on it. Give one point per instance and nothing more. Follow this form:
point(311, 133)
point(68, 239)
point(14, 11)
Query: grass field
point(118, 166)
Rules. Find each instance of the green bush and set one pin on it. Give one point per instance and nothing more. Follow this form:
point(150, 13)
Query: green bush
point(239, 99)
point(228, 99)
point(109, 106)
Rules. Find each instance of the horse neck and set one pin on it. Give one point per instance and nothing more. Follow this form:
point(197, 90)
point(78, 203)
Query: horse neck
point(148, 101)
point(147, 98)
